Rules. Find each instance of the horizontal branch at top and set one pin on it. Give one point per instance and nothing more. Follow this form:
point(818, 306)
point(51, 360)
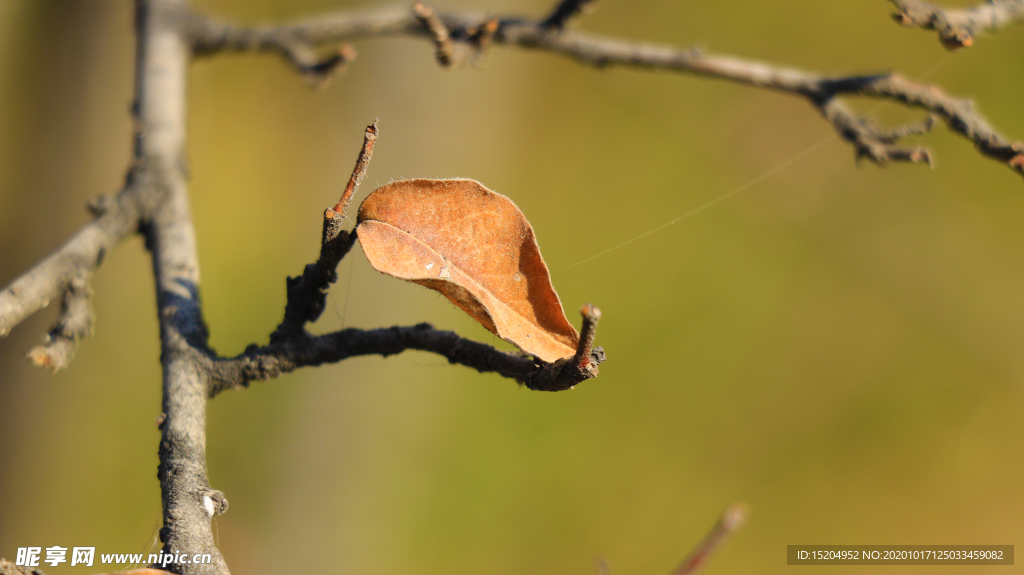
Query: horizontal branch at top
point(869, 140)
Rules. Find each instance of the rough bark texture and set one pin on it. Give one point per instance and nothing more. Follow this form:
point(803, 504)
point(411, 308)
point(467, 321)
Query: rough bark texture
point(162, 70)
point(958, 28)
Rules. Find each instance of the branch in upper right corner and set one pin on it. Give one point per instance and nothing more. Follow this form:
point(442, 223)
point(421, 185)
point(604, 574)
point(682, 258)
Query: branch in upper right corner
point(958, 28)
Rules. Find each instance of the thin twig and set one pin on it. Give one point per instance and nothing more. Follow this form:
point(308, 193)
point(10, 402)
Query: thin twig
point(731, 520)
point(958, 28)
point(307, 294)
point(360, 170)
point(483, 37)
point(75, 322)
point(438, 31)
point(207, 36)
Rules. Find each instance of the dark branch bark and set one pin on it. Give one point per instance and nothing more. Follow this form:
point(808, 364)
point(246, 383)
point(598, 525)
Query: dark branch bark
point(868, 139)
point(958, 28)
point(563, 12)
point(278, 358)
point(307, 294)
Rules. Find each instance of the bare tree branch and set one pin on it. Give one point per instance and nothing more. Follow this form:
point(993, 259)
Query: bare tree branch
point(438, 31)
point(67, 272)
point(307, 294)
point(868, 139)
point(278, 358)
point(162, 70)
point(49, 279)
point(958, 28)
point(302, 54)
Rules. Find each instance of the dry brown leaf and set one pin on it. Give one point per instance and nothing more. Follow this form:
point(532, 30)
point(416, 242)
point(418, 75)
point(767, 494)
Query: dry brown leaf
point(475, 247)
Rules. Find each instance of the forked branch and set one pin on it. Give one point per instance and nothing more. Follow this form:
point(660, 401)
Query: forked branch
point(67, 273)
point(292, 347)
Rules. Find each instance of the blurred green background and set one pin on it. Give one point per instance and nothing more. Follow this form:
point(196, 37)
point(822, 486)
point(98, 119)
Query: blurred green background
point(841, 347)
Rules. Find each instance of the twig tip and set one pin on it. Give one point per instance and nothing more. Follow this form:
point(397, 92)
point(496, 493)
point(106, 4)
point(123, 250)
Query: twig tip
point(735, 516)
point(347, 52)
point(369, 137)
point(1017, 162)
point(591, 314)
point(41, 358)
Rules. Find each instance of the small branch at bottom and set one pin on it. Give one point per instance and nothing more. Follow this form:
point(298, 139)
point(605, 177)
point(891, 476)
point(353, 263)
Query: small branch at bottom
point(731, 520)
